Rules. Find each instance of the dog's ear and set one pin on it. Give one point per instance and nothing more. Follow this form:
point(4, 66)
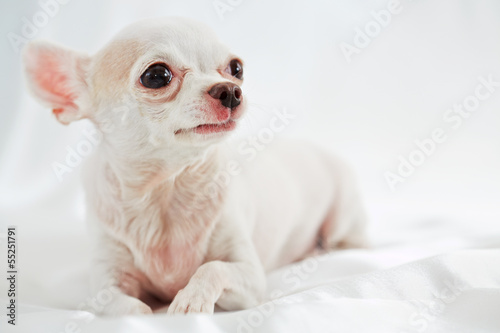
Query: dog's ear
point(57, 77)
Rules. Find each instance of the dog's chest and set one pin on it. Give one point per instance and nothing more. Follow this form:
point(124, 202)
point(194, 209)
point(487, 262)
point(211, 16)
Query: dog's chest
point(171, 254)
point(169, 233)
point(169, 267)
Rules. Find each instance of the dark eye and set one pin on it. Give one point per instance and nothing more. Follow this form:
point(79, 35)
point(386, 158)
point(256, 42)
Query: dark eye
point(156, 76)
point(236, 69)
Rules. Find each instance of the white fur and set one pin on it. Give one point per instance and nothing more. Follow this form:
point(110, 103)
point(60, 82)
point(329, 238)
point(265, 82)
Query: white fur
point(162, 224)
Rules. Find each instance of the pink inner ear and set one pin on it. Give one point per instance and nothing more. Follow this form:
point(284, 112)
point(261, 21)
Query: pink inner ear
point(50, 78)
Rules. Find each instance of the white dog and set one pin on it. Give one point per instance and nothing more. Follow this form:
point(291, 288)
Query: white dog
point(163, 223)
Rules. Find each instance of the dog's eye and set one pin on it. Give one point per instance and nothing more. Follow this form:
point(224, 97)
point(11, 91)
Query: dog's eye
point(156, 76)
point(236, 69)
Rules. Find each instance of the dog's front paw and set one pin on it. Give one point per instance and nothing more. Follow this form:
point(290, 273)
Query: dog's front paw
point(192, 300)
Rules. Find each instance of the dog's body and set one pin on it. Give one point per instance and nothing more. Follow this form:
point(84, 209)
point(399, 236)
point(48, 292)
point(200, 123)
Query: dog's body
point(172, 213)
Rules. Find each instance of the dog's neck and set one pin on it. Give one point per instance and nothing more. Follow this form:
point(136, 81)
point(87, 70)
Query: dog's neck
point(139, 175)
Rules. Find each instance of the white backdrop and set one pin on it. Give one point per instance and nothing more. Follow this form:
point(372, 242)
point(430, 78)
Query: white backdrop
point(370, 108)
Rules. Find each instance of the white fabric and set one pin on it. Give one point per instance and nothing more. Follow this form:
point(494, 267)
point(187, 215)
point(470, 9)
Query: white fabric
point(374, 290)
point(435, 261)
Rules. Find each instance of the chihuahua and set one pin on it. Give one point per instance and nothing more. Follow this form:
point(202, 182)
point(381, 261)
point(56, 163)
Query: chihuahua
point(163, 224)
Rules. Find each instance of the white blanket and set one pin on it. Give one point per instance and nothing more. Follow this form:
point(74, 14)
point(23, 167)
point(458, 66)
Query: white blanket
point(388, 288)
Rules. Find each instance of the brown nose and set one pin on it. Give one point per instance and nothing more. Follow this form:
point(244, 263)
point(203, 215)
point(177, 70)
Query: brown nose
point(228, 93)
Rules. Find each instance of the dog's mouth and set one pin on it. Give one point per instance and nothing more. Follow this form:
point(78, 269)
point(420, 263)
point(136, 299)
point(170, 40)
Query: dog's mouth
point(226, 126)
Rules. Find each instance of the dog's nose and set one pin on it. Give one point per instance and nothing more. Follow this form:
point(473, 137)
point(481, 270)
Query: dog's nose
point(228, 93)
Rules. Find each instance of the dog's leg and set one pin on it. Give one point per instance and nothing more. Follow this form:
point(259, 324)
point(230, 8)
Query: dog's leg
point(345, 225)
point(235, 284)
point(115, 287)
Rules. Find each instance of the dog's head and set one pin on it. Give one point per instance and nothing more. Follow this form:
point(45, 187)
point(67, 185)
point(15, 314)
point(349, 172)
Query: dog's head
point(159, 83)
